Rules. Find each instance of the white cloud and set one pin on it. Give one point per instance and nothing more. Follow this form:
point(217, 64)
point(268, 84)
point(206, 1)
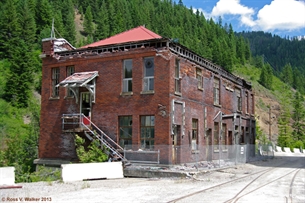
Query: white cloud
point(285, 15)
point(282, 15)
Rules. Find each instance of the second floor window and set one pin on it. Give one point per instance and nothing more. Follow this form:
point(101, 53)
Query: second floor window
point(199, 78)
point(238, 99)
point(216, 91)
point(247, 103)
point(70, 71)
point(55, 81)
point(149, 72)
point(127, 76)
point(177, 77)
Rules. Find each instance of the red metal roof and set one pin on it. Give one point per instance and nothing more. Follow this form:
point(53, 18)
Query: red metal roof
point(136, 34)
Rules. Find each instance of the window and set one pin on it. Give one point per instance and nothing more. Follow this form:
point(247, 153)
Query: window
point(199, 78)
point(55, 81)
point(149, 74)
point(70, 71)
point(238, 99)
point(251, 107)
point(177, 77)
point(127, 76)
point(247, 103)
point(216, 136)
point(224, 136)
point(147, 132)
point(125, 123)
point(194, 134)
point(216, 91)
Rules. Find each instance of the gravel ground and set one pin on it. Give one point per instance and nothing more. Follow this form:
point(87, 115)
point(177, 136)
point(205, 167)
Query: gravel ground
point(133, 189)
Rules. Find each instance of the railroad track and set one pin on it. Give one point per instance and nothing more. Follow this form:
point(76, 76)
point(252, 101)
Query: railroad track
point(250, 188)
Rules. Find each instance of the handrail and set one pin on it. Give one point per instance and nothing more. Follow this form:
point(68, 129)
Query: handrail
point(104, 134)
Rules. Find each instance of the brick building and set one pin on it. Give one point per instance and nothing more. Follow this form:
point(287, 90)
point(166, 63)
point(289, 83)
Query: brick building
point(138, 90)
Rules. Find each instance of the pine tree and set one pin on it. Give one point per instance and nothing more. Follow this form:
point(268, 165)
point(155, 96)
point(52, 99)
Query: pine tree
point(20, 79)
point(298, 117)
point(88, 22)
point(9, 29)
point(285, 138)
point(27, 23)
point(43, 15)
point(102, 23)
point(68, 21)
point(287, 75)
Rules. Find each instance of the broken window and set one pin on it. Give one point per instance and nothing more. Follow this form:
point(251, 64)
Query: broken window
point(149, 72)
point(177, 77)
point(194, 134)
point(147, 132)
point(70, 71)
point(216, 136)
point(127, 76)
point(238, 99)
point(125, 125)
point(55, 81)
point(216, 91)
point(199, 78)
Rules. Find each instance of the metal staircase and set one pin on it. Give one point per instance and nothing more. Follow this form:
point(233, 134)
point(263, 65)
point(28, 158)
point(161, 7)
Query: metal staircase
point(76, 122)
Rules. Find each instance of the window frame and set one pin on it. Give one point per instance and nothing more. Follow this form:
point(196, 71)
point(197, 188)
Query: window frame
point(238, 99)
point(216, 137)
point(145, 130)
point(55, 75)
point(70, 70)
point(127, 88)
point(148, 79)
point(125, 128)
point(199, 77)
point(195, 134)
point(177, 77)
point(216, 91)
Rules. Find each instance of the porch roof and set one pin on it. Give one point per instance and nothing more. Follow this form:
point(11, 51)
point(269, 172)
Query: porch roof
point(79, 79)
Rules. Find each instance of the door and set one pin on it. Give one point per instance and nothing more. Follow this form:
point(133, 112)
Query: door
point(174, 143)
point(85, 106)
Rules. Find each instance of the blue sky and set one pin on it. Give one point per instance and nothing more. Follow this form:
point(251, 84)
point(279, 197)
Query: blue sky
point(280, 17)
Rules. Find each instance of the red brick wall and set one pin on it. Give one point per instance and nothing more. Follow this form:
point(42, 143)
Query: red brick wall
point(110, 104)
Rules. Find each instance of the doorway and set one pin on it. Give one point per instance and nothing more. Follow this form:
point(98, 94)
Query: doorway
point(85, 106)
point(175, 136)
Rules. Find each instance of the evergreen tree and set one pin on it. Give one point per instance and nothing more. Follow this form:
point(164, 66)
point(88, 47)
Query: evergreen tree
point(20, 79)
point(9, 29)
point(285, 138)
point(43, 15)
point(27, 23)
point(88, 22)
point(102, 23)
point(298, 117)
point(266, 76)
point(68, 21)
point(287, 75)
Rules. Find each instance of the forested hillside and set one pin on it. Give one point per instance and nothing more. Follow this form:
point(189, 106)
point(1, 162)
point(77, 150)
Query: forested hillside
point(24, 23)
point(285, 55)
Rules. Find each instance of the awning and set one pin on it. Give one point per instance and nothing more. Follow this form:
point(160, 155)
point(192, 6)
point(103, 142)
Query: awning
point(82, 79)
